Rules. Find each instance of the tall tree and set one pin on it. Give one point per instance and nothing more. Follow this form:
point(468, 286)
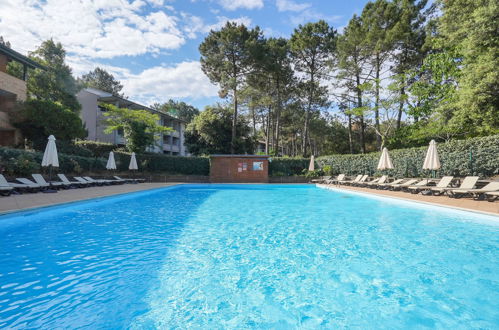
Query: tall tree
point(312, 46)
point(56, 83)
point(354, 71)
point(178, 109)
point(210, 133)
point(103, 80)
point(378, 18)
point(471, 28)
point(409, 35)
point(227, 57)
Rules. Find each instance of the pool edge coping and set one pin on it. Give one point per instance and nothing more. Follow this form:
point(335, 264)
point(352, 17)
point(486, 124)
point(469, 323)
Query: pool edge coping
point(322, 186)
point(62, 204)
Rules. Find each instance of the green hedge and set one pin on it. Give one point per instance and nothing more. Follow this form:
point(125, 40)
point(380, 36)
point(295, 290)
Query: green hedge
point(283, 166)
point(477, 156)
point(22, 162)
point(96, 149)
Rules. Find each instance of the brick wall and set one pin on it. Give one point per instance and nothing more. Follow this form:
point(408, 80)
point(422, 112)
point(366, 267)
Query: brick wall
point(238, 169)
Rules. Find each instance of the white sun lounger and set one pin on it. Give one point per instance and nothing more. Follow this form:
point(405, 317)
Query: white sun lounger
point(475, 193)
point(39, 179)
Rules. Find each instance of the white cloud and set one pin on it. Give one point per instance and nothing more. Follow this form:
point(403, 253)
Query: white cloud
point(241, 4)
point(195, 24)
point(97, 28)
point(289, 5)
point(183, 80)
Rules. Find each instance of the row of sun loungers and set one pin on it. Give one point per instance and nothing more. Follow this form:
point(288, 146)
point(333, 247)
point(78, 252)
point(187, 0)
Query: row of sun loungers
point(467, 187)
point(40, 184)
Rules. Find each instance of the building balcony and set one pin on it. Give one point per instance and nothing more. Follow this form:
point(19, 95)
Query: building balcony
point(12, 85)
point(172, 148)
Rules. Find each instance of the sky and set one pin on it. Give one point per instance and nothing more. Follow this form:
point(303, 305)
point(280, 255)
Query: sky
point(151, 46)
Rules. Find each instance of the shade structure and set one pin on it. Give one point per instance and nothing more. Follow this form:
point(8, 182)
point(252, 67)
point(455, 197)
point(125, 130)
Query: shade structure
point(385, 163)
point(311, 166)
point(133, 163)
point(111, 164)
point(432, 162)
point(50, 155)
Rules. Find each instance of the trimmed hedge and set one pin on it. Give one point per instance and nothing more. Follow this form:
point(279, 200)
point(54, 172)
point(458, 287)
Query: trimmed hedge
point(284, 166)
point(96, 149)
point(24, 162)
point(477, 156)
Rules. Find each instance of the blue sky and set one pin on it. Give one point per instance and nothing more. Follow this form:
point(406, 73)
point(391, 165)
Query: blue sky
point(152, 45)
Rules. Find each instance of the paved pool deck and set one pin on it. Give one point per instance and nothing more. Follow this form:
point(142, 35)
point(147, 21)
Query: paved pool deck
point(31, 200)
point(28, 201)
point(461, 203)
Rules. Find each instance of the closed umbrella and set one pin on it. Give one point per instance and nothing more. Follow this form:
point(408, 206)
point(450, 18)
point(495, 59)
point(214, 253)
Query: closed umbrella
point(311, 166)
point(50, 158)
point(111, 164)
point(432, 162)
point(385, 163)
point(133, 163)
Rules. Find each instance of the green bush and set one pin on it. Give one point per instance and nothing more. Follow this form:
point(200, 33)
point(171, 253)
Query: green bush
point(477, 156)
point(284, 166)
point(97, 149)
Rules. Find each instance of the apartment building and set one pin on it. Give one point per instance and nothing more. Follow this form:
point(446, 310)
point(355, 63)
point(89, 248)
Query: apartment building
point(12, 89)
point(171, 143)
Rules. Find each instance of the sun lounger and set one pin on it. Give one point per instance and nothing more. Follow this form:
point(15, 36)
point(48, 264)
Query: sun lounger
point(18, 186)
point(387, 185)
point(468, 183)
point(321, 180)
point(365, 184)
point(98, 181)
point(83, 181)
point(475, 193)
point(421, 183)
point(30, 185)
point(5, 190)
point(128, 180)
point(375, 183)
point(361, 181)
point(399, 186)
point(348, 182)
point(39, 179)
point(492, 195)
point(443, 183)
point(340, 178)
point(72, 183)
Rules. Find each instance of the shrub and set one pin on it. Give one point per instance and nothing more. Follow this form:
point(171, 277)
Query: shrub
point(97, 149)
point(287, 166)
point(477, 156)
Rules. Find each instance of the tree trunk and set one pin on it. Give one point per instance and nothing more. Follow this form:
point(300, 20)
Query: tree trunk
point(376, 103)
point(350, 141)
point(401, 107)
point(361, 117)
point(267, 133)
point(234, 124)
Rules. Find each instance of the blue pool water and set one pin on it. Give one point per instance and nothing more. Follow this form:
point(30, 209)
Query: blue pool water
point(248, 256)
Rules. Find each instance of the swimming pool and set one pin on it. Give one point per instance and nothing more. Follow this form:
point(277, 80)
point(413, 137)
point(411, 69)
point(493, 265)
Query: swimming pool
point(248, 256)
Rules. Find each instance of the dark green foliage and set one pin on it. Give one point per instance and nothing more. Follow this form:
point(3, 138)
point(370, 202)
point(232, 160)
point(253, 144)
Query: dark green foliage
point(97, 149)
point(56, 83)
point(288, 166)
point(211, 133)
point(454, 157)
point(157, 163)
point(180, 110)
point(37, 119)
point(15, 162)
point(103, 80)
